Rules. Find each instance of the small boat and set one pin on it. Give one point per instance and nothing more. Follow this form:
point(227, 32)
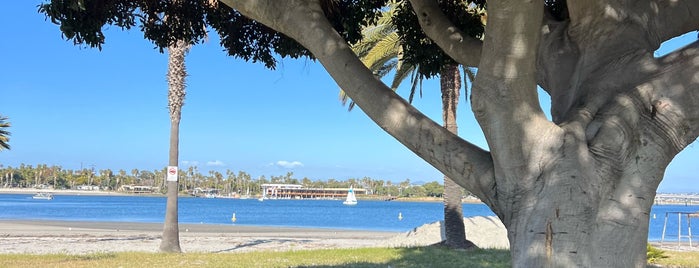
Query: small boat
point(351, 199)
point(43, 196)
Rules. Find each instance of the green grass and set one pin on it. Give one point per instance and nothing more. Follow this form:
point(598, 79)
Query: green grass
point(358, 258)
point(679, 259)
point(434, 256)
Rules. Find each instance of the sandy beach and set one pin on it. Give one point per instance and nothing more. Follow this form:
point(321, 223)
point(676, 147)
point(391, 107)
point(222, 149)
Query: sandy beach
point(41, 237)
point(79, 237)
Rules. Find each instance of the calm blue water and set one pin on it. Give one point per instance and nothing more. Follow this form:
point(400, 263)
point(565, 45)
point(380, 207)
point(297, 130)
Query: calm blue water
point(367, 215)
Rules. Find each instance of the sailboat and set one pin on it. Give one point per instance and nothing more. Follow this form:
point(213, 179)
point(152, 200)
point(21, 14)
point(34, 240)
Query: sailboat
point(351, 199)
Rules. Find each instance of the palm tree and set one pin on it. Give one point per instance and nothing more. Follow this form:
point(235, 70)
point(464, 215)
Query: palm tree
point(4, 134)
point(454, 230)
point(381, 52)
point(176, 92)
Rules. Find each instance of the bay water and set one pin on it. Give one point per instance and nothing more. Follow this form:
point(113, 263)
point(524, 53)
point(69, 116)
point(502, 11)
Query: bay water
point(366, 215)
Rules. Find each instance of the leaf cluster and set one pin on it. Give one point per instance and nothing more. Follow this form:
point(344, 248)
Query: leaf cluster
point(164, 22)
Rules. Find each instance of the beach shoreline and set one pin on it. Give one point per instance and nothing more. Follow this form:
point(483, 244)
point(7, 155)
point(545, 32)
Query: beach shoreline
point(86, 237)
point(32, 191)
point(82, 237)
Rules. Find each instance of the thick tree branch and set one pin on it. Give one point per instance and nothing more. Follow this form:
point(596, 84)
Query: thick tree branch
point(467, 164)
point(458, 45)
point(674, 17)
point(643, 127)
point(504, 95)
point(580, 9)
point(675, 104)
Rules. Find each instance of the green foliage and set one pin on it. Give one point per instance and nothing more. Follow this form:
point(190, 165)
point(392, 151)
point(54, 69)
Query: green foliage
point(228, 182)
point(434, 189)
point(163, 22)
point(654, 254)
point(4, 133)
point(419, 49)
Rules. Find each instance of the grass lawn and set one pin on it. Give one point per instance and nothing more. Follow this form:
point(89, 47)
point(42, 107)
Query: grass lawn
point(359, 258)
point(679, 259)
point(365, 257)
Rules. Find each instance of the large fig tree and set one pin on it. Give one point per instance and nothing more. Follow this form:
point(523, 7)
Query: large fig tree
point(575, 191)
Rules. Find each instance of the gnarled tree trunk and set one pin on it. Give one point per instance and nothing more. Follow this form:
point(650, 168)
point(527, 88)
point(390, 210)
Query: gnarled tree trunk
point(572, 192)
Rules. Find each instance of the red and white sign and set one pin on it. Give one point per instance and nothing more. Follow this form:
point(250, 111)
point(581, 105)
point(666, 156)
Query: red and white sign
point(172, 173)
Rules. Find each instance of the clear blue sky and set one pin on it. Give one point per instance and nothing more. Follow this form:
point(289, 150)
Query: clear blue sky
point(75, 106)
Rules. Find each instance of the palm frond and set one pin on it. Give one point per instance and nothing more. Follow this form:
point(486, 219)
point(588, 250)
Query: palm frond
point(402, 72)
point(4, 134)
point(469, 77)
point(414, 82)
point(382, 52)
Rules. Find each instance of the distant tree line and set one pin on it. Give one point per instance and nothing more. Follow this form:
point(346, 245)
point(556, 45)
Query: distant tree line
point(43, 176)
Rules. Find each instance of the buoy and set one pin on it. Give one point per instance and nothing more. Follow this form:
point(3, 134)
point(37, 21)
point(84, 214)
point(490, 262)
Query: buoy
point(233, 219)
point(400, 216)
point(653, 215)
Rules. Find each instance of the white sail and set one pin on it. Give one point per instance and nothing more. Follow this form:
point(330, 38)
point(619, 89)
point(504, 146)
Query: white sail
point(351, 199)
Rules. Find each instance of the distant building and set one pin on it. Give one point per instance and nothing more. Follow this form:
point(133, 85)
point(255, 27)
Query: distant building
point(87, 187)
point(296, 191)
point(138, 189)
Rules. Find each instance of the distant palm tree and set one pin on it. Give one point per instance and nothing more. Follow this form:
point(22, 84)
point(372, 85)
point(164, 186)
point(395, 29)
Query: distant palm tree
point(4, 134)
point(380, 50)
point(176, 92)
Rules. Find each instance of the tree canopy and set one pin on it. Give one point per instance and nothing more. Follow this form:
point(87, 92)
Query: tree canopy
point(83, 21)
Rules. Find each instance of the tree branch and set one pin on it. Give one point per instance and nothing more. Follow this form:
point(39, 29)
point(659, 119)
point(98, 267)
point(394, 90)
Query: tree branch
point(458, 45)
point(504, 97)
point(675, 104)
point(675, 17)
point(304, 21)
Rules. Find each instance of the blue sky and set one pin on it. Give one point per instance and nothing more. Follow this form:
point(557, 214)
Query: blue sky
point(75, 106)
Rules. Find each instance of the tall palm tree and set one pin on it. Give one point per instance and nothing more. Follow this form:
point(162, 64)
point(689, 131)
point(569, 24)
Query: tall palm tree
point(4, 134)
point(176, 92)
point(454, 229)
point(380, 50)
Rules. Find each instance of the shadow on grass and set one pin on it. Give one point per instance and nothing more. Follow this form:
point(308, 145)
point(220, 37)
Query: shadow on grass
point(258, 242)
point(433, 256)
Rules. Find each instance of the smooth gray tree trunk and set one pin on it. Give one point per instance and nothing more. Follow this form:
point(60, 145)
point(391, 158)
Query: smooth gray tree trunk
point(574, 191)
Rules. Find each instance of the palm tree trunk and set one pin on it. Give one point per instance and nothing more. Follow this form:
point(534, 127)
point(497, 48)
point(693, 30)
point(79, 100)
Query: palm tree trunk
point(176, 92)
point(450, 83)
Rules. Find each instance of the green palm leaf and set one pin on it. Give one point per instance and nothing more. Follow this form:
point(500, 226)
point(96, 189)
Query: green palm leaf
point(4, 134)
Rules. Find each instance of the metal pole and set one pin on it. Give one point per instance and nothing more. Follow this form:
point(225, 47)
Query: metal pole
point(689, 228)
point(662, 238)
point(679, 229)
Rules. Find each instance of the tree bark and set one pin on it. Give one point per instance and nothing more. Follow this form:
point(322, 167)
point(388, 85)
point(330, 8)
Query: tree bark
point(454, 230)
point(575, 191)
point(176, 93)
